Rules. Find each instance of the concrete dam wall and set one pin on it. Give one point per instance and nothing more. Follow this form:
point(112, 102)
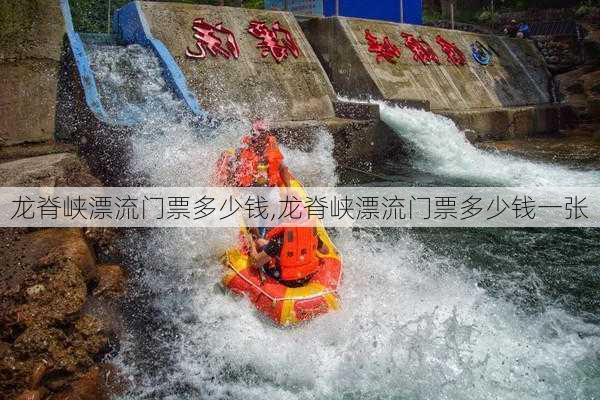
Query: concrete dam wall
point(30, 49)
point(516, 76)
point(247, 78)
point(294, 89)
point(297, 93)
point(508, 96)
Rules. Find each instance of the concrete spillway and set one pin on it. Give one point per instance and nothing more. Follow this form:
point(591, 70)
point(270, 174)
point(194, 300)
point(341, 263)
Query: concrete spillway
point(508, 96)
point(295, 89)
point(294, 95)
point(299, 95)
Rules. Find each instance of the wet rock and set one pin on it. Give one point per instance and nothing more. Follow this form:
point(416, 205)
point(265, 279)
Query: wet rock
point(89, 386)
point(35, 290)
point(39, 370)
point(63, 169)
point(13, 370)
point(64, 298)
point(575, 149)
point(111, 281)
point(580, 91)
point(46, 341)
point(90, 334)
point(36, 394)
point(102, 240)
point(576, 88)
point(44, 277)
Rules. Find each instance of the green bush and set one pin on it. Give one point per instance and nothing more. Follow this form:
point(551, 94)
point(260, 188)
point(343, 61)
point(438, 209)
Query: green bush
point(485, 16)
point(92, 15)
point(586, 8)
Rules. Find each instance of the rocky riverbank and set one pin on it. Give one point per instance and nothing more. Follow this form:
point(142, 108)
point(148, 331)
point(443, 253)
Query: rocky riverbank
point(579, 147)
point(59, 295)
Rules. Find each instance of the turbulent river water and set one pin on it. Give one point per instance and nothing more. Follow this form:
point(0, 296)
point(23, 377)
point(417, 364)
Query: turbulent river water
point(426, 314)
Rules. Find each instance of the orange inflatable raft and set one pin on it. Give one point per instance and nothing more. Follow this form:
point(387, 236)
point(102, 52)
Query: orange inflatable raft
point(282, 304)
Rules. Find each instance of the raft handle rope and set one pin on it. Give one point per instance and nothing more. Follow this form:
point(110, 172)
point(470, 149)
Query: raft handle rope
point(276, 299)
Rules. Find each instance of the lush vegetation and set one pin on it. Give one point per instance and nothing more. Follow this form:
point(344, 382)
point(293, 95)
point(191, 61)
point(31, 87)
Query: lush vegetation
point(92, 15)
point(474, 11)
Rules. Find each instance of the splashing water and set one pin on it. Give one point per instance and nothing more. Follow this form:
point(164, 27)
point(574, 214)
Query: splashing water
point(414, 324)
point(444, 150)
point(131, 84)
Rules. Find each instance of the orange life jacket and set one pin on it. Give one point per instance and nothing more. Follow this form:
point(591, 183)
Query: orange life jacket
point(246, 170)
point(274, 161)
point(298, 258)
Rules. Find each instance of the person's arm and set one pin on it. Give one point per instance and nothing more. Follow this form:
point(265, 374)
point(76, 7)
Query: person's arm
point(260, 258)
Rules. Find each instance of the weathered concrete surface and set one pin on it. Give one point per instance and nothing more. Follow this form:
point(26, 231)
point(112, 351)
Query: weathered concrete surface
point(506, 123)
point(517, 77)
point(477, 97)
point(30, 46)
point(296, 89)
point(295, 96)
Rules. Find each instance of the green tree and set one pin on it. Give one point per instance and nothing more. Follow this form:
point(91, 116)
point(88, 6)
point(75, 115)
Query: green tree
point(92, 15)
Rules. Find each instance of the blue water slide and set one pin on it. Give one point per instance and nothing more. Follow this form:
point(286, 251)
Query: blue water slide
point(131, 27)
point(130, 24)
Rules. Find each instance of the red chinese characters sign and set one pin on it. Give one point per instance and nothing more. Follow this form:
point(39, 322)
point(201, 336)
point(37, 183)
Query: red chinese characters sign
point(384, 50)
point(455, 56)
point(422, 51)
point(270, 42)
point(209, 38)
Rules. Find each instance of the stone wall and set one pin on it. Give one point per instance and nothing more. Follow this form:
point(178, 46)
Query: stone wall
point(30, 46)
point(561, 53)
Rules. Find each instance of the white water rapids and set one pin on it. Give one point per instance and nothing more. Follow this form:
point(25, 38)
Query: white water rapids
point(444, 150)
point(414, 324)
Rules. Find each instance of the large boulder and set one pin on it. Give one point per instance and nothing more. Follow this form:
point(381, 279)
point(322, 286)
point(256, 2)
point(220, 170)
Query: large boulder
point(47, 339)
point(63, 169)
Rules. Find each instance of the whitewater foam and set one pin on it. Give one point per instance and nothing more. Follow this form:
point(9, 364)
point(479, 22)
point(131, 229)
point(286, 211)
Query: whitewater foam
point(414, 324)
point(444, 150)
